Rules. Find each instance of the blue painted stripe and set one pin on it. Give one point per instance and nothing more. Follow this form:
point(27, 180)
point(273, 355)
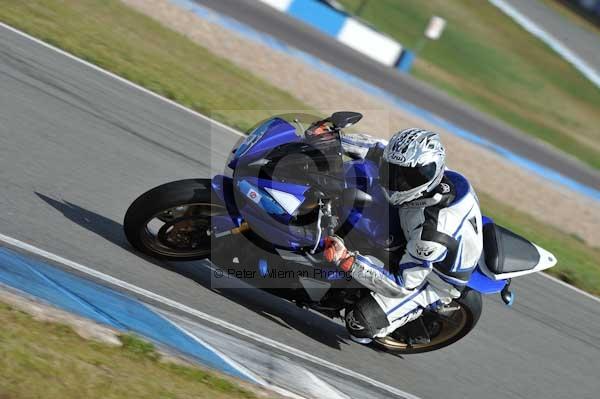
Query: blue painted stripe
point(408, 311)
point(457, 264)
point(408, 265)
point(316, 63)
point(104, 305)
point(462, 222)
point(450, 280)
point(319, 16)
point(406, 299)
point(406, 60)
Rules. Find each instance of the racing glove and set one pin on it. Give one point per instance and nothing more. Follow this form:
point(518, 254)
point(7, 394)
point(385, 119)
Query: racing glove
point(336, 252)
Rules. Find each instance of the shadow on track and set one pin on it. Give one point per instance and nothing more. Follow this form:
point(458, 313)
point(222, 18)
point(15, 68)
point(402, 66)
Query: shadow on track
point(270, 307)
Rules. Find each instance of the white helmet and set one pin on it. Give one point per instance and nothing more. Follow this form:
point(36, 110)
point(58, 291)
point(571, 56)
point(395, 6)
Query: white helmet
point(412, 164)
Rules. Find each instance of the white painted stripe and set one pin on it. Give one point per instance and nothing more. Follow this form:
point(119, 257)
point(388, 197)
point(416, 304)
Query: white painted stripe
point(122, 80)
point(281, 5)
point(236, 365)
point(289, 373)
point(369, 42)
point(243, 370)
point(579, 291)
point(204, 316)
point(305, 381)
point(536, 30)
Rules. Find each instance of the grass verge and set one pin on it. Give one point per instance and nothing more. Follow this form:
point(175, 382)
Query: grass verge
point(47, 360)
point(138, 48)
point(578, 263)
point(487, 60)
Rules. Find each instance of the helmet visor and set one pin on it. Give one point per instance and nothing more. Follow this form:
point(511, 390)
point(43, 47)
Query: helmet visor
point(401, 178)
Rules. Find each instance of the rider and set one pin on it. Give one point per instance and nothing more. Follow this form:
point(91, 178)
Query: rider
point(441, 222)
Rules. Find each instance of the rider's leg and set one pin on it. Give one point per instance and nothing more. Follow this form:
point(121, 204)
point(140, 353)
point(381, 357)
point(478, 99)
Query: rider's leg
point(378, 316)
point(365, 319)
point(400, 311)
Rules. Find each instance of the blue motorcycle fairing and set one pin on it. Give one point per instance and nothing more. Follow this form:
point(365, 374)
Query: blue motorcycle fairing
point(380, 222)
point(479, 281)
point(296, 190)
point(261, 198)
point(266, 136)
point(222, 186)
point(280, 234)
point(264, 193)
point(277, 226)
point(486, 219)
point(483, 284)
point(360, 173)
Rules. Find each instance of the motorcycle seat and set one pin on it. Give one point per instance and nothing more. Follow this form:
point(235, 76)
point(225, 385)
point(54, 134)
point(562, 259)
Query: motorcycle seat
point(507, 252)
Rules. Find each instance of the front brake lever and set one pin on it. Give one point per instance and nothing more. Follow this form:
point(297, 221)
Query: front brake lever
point(319, 228)
point(331, 222)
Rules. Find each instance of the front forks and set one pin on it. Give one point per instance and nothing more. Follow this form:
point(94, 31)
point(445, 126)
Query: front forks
point(325, 220)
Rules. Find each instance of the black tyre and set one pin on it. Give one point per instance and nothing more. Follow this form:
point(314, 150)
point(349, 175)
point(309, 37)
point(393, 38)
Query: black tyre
point(173, 221)
point(444, 329)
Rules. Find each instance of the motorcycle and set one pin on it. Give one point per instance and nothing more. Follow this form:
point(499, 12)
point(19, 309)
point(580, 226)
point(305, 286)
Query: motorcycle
point(288, 184)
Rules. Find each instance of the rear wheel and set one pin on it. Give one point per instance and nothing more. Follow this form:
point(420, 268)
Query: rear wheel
point(173, 221)
point(436, 330)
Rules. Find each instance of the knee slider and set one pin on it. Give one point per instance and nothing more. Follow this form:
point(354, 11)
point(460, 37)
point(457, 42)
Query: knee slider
point(366, 318)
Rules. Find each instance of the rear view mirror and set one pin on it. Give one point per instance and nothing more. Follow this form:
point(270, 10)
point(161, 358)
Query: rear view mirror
point(345, 119)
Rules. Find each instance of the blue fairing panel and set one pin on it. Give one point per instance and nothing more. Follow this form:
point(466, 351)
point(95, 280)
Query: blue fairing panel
point(379, 222)
point(262, 139)
point(297, 190)
point(482, 283)
point(222, 186)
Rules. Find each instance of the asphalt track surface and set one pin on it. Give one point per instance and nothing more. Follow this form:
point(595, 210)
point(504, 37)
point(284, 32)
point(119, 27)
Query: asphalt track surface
point(77, 146)
point(266, 19)
point(583, 41)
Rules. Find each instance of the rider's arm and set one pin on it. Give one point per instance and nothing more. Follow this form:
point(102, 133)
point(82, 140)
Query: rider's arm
point(367, 270)
point(415, 264)
point(371, 274)
point(357, 145)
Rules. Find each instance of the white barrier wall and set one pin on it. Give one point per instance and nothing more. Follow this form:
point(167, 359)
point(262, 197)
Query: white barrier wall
point(281, 5)
point(364, 39)
point(347, 30)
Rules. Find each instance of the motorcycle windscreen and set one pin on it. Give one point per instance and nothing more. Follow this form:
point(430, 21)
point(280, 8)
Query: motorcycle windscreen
point(315, 161)
point(328, 171)
point(278, 193)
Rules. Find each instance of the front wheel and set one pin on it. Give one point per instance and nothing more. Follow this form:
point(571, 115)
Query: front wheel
point(173, 221)
point(440, 330)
